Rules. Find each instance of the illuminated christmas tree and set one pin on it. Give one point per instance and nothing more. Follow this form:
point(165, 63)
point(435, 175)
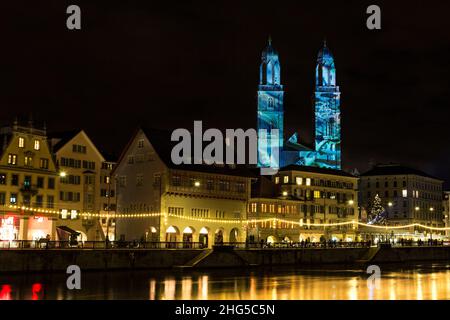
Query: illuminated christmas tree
point(377, 212)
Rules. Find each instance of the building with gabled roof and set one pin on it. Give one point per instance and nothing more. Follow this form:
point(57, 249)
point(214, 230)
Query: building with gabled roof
point(160, 201)
point(86, 191)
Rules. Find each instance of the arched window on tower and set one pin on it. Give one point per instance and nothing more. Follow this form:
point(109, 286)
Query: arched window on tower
point(319, 75)
point(263, 73)
point(269, 72)
point(270, 104)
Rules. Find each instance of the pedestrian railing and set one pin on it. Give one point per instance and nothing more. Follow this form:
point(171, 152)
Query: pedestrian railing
point(328, 245)
point(294, 245)
point(44, 244)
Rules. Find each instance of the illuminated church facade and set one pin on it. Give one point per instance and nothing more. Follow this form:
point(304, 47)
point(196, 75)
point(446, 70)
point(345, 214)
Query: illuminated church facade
point(326, 152)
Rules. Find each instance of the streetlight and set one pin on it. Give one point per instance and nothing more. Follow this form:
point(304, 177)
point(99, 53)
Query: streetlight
point(62, 174)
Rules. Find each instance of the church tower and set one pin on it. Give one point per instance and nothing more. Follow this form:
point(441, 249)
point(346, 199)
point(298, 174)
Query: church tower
point(270, 109)
point(327, 112)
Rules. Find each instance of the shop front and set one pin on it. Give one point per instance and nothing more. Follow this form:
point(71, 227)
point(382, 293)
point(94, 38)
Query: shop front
point(9, 228)
point(16, 228)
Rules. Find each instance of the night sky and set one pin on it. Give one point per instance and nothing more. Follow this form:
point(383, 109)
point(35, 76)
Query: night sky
point(166, 64)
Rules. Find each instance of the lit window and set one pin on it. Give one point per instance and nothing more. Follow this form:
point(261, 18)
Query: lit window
point(286, 179)
point(253, 207)
point(277, 180)
point(299, 180)
point(308, 181)
point(12, 158)
point(404, 193)
point(37, 145)
point(13, 198)
point(316, 194)
point(28, 161)
point(21, 142)
point(64, 214)
point(73, 214)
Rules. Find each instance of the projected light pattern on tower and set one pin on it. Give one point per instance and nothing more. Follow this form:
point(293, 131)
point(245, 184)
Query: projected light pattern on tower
point(327, 113)
point(326, 152)
point(270, 109)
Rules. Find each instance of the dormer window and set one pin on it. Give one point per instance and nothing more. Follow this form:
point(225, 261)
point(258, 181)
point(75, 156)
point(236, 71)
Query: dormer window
point(21, 142)
point(37, 145)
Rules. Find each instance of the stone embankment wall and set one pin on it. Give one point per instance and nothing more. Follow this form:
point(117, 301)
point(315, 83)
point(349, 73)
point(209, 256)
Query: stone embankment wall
point(58, 260)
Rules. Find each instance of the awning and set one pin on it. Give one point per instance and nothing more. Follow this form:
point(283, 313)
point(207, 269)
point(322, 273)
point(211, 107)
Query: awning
point(68, 230)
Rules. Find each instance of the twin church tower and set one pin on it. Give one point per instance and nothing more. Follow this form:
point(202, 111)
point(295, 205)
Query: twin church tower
point(273, 150)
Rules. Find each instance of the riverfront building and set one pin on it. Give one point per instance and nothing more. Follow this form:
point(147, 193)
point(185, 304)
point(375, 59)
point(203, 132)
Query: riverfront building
point(85, 187)
point(408, 195)
point(57, 186)
point(446, 208)
point(304, 195)
point(160, 201)
point(28, 184)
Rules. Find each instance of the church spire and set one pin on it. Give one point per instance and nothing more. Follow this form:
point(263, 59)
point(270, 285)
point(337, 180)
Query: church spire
point(270, 66)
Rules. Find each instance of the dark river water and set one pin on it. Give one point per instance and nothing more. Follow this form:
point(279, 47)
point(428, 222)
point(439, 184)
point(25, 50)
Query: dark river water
point(338, 283)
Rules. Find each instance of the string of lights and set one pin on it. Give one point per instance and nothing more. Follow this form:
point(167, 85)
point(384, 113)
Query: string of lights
point(300, 223)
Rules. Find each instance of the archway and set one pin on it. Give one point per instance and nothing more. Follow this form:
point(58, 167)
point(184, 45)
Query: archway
point(203, 237)
point(234, 235)
point(187, 237)
point(151, 235)
point(171, 236)
point(271, 240)
point(218, 236)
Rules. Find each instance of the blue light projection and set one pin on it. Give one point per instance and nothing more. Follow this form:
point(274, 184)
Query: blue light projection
point(327, 113)
point(326, 152)
point(270, 109)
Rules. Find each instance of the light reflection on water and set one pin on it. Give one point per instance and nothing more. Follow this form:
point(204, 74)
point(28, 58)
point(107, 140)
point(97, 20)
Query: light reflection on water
point(418, 282)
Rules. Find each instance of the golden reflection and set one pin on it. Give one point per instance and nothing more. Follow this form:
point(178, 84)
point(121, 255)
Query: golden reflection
point(186, 288)
point(392, 291)
point(169, 289)
point(152, 294)
point(419, 287)
point(298, 285)
point(203, 285)
point(434, 290)
point(353, 290)
point(252, 287)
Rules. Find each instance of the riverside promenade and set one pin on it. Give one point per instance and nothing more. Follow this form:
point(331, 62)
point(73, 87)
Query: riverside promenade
point(55, 257)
